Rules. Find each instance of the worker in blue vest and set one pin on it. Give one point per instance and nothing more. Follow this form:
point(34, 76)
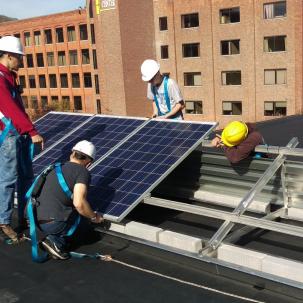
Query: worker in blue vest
point(167, 99)
point(17, 136)
point(61, 200)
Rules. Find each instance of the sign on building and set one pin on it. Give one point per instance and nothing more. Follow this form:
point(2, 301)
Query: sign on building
point(104, 5)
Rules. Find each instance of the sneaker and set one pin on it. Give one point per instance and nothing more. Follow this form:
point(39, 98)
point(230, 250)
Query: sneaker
point(54, 251)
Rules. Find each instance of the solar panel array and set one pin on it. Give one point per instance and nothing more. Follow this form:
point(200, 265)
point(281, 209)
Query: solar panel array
point(134, 154)
point(54, 126)
point(103, 131)
point(120, 181)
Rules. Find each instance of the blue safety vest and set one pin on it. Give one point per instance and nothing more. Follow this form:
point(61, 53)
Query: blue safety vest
point(8, 127)
point(167, 100)
point(31, 211)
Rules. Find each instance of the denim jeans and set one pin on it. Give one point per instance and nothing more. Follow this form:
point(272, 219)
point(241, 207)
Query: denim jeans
point(56, 231)
point(16, 172)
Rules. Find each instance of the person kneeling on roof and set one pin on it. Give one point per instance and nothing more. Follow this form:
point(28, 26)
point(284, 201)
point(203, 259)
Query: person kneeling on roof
point(238, 141)
point(60, 198)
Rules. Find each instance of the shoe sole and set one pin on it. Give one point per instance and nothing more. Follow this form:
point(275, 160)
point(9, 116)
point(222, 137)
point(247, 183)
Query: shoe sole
point(53, 253)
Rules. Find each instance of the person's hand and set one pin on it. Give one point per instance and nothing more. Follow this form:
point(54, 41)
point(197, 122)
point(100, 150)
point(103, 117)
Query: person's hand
point(216, 142)
point(97, 219)
point(37, 139)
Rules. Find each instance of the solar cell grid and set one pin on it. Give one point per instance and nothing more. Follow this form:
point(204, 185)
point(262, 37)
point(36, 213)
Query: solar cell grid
point(120, 180)
point(104, 132)
point(54, 126)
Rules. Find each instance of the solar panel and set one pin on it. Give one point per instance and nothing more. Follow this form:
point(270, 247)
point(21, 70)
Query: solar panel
point(104, 131)
point(122, 179)
point(54, 125)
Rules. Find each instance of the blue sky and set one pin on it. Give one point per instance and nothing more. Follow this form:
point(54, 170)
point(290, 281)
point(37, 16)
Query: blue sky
point(23, 9)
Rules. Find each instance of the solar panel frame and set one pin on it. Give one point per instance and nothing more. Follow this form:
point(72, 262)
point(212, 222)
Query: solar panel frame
point(137, 200)
point(89, 117)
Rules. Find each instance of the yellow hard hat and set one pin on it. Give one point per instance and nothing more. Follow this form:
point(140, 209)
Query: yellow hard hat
point(234, 133)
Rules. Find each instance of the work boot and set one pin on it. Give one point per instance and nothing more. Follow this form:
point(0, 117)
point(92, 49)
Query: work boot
point(11, 236)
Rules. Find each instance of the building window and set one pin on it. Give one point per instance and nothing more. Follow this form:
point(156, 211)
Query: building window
point(61, 58)
point(64, 80)
point(232, 108)
point(98, 106)
point(230, 15)
point(27, 39)
point(52, 81)
point(231, 78)
point(22, 81)
point(55, 101)
point(73, 57)
point(274, 76)
point(75, 80)
point(87, 80)
point(44, 102)
point(194, 107)
point(85, 56)
point(192, 79)
point(230, 47)
point(275, 44)
point(77, 103)
point(71, 34)
point(97, 84)
point(164, 51)
point(42, 81)
point(92, 33)
point(34, 102)
point(37, 37)
point(25, 101)
point(50, 59)
point(190, 20)
point(29, 60)
point(17, 35)
point(274, 10)
point(275, 108)
point(66, 102)
point(40, 60)
point(21, 65)
point(32, 81)
point(95, 63)
point(48, 36)
point(163, 24)
point(83, 32)
point(191, 50)
point(59, 35)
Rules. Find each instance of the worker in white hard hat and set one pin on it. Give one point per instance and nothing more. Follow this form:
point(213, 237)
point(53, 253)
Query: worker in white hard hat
point(167, 99)
point(238, 140)
point(61, 198)
point(17, 136)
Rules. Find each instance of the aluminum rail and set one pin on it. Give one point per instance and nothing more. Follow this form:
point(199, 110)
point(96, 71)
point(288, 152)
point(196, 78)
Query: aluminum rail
point(263, 223)
point(270, 149)
point(222, 232)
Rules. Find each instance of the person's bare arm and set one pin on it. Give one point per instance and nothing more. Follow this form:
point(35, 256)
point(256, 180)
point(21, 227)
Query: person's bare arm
point(179, 107)
point(81, 204)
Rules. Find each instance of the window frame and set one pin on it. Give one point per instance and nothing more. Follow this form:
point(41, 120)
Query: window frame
point(184, 45)
point(191, 74)
point(233, 103)
point(161, 28)
point(274, 4)
point(275, 108)
point(229, 47)
point(229, 11)
point(186, 24)
point(230, 72)
point(274, 43)
point(195, 109)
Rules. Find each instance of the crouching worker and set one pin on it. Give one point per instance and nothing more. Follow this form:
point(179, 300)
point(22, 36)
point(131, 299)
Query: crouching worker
point(238, 141)
point(58, 199)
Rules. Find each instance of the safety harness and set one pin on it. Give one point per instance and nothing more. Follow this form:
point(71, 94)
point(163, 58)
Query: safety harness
point(167, 100)
point(8, 127)
point(31, 195)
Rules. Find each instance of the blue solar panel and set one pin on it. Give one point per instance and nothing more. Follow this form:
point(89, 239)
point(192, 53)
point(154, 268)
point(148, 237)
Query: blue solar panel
point(120, 181)
point(104, 131)
point(54, 126)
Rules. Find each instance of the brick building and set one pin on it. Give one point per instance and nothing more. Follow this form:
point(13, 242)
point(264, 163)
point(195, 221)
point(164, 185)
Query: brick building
point(233, 59)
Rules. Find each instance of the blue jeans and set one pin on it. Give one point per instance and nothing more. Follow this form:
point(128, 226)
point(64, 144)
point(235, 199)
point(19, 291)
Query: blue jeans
point(56, 231)
point(15, 172)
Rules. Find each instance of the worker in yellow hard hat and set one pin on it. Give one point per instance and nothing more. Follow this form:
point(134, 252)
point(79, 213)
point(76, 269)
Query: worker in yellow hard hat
point(238, 139)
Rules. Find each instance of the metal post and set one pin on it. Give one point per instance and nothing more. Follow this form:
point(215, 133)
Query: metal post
point(218, 237)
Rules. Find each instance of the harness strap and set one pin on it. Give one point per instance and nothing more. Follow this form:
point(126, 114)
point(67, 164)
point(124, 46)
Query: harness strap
point(32, 216)
point(167, 100)
point(9, 127)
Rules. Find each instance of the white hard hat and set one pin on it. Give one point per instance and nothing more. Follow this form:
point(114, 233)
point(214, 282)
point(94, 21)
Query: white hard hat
point(11, 44)
point(85, 147)
point(149, 68)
